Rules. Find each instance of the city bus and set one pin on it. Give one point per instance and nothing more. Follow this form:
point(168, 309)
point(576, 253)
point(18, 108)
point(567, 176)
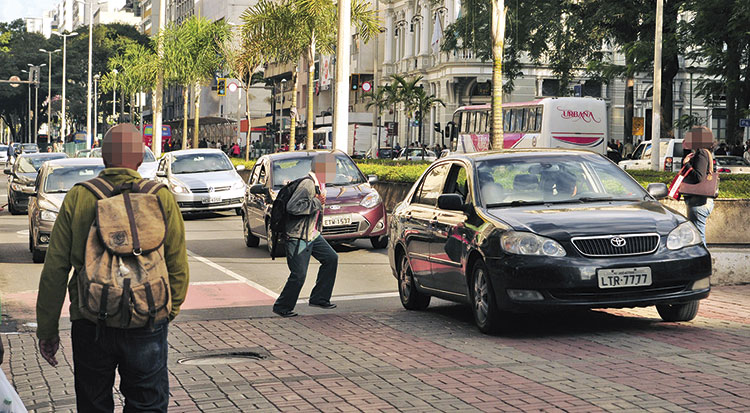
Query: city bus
point(166, 136)
point(566, 122)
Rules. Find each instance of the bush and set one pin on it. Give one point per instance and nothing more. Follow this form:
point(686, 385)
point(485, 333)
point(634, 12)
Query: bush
point(240, 161)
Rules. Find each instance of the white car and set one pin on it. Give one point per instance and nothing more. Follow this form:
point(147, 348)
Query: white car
point(417, 154)
point(732, 164)
point(147, 168)
point(202, 180)
point(670, 156)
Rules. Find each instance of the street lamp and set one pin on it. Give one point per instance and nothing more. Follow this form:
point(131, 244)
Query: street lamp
point(114, 95)
point(28, 117)
point(88, 84)
point(65, 54)
point(49, 93)
point(96, 104)
point(281, 112)
point(36, 101)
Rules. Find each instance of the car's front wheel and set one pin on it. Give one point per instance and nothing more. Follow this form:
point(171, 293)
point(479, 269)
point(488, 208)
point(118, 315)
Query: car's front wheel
point(411, 299)
point(379, 242)
point(250, 240)
point(12, 207)
point(678, 312)
point(484, 306)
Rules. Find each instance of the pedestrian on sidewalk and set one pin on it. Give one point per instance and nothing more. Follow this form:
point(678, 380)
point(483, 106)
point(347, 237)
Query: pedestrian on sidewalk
point(139, 354)
point(699, 203)
point(304, 223)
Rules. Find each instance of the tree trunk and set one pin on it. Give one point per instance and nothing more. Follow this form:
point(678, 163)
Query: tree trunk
point(629, 109)
point(733, 86)
point(498, 40)
point(293, 111)
point(122, 107)
point(197, 114)
point(310, 92)
point(185, 107)
point(132, 108)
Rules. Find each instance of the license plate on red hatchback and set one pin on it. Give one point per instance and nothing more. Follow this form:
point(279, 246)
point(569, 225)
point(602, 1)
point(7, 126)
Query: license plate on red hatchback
point(624, 277)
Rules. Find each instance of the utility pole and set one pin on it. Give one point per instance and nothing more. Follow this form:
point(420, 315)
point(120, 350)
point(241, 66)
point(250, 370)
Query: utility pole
point(656, 95)
point(49, 93)
point(89, 138)
point(65, 54)
point(341, 107)
point(156, 101)
point(498, 42)
point(96, 105)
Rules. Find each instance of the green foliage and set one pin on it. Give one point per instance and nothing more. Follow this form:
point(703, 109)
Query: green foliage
point(193, 50)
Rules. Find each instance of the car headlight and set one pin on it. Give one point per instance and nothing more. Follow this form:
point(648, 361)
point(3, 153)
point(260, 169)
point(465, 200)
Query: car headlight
point(683, 236)
point(526, 243)
point(238, 185)
point(372, 199)
point(47, 215)
point(178, 187)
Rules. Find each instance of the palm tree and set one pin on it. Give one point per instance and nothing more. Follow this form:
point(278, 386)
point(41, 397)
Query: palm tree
point(192, 55)
point(131, 72)
point(291, 29)
point(382, 98)
point(423, 103)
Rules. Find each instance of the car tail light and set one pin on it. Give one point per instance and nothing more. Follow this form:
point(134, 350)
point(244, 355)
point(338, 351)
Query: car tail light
point(724, 170)
point(668, 164)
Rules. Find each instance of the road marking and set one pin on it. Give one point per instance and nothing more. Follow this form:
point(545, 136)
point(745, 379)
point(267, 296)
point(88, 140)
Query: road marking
point(233, 274)
point(215, 282)
point(23, 232)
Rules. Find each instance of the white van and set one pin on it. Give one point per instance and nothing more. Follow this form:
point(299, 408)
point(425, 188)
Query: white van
point(670, 156)
point(566, 122)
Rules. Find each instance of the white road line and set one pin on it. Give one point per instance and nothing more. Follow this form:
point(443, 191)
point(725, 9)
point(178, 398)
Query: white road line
point(215, 282)
point(233, 274)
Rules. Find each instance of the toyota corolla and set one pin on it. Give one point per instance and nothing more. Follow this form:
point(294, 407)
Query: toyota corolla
point(518, 230)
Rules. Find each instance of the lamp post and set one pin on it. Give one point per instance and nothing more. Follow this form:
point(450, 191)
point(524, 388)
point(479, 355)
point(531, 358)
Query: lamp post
point(281, 112)
point(28, 116)
point(96, 105)
point(49, 92)
point(65, 42)
point(35, 70)
point(114, 96)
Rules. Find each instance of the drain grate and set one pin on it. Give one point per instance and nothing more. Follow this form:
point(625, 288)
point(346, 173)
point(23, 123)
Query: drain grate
point(234, 357)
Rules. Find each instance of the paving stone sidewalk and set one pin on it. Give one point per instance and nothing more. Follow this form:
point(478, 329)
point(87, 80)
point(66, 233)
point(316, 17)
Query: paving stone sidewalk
point(397, 360)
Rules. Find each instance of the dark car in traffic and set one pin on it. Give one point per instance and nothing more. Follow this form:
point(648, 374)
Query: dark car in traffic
point(543, 229)
point(353, 208)
point(21, 177)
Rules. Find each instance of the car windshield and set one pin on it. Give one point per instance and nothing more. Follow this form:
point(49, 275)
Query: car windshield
point(29, 147)
point(31, 164)
point(82, 154)
point(554, 179)
point(200, 162)
point(61, 178)
point(731, 160)
point(287, 170)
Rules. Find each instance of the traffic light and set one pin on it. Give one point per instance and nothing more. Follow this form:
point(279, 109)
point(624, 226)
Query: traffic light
point(221, 86)
point(355, 82)
point(437, 127)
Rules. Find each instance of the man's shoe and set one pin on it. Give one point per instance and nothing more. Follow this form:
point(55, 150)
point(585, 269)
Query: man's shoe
point(327, 305)
point(285, 314)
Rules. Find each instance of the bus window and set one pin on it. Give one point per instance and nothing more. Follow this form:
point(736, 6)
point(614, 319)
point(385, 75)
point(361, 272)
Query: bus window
point(508, 120)
point(482, 122)
point(517, 120)
point(539, 110)
point(530, 120)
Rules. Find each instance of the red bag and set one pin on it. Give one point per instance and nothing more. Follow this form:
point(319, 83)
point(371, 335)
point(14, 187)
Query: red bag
point(674, 187)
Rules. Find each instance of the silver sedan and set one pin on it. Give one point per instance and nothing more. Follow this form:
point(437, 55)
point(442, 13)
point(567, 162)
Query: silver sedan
point(202, 180)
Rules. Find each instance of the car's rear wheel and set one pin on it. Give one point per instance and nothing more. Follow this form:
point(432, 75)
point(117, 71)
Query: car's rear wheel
point(484, 305)
point(250, 240)
point(678, 312)
point(411, 299)
point(379, 242)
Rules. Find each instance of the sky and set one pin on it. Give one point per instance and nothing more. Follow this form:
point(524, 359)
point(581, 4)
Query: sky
point(17, 9)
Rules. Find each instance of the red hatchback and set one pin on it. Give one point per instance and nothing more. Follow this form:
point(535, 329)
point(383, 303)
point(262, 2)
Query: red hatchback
point(353, 209)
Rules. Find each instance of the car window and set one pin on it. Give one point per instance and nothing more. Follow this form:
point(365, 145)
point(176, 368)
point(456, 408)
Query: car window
point(200, 162)
point(254, 174)
point(262, 175)
point(148, 156)
point(457, 182)
point(31, 164)
point(639, 151)
point(432, 185)
point(553, 179)
point(60, 179)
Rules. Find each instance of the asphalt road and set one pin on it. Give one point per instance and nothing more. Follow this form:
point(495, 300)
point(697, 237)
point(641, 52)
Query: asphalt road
point(224, 273)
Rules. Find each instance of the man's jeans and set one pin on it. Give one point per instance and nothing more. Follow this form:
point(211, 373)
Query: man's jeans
point(698, 215)
point(139, 354)
point(298, 259)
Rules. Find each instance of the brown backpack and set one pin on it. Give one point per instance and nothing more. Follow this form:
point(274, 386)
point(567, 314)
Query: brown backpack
point(124, 282)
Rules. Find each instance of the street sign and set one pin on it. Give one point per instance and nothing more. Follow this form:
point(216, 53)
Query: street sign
point(14, 79)
point(744, 123)
point(638, 126)
point(232, 87)
point(366, 86)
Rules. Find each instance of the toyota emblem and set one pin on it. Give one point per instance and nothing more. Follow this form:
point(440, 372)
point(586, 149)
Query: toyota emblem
point(617, 242)
point(210, 189)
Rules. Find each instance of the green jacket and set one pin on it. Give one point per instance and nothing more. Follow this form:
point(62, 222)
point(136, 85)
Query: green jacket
point(67, 246)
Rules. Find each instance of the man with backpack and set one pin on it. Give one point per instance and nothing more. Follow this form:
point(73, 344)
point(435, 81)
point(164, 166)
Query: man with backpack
point(125, 240)
point(303, 224)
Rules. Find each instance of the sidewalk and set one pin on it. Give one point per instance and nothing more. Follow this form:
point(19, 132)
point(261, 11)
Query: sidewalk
point(398, 360)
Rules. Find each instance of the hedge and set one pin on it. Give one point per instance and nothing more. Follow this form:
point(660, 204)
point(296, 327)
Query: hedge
point(731, 186)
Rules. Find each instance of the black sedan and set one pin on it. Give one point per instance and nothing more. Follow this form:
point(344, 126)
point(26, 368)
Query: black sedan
point(22, 177)
point(543, 229)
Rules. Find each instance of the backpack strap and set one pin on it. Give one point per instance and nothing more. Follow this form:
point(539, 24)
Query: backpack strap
point(148, 186)
point(99, 187)
point(133, 227)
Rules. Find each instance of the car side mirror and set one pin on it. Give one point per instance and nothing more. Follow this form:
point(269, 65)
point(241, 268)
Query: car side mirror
point(658, 190)
point(240, 168)
point(258, 189)
point(372, 178)
point(451, 202)
point(161, 174)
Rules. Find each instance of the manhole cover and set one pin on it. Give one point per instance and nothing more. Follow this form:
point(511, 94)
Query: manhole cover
point(223, 358)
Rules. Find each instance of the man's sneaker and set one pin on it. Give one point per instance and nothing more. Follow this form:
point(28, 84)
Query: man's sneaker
point(287, 313)
point(327, 305)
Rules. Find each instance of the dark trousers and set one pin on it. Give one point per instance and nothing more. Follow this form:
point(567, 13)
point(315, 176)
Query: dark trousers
point(140, 356)
point(298, 254)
